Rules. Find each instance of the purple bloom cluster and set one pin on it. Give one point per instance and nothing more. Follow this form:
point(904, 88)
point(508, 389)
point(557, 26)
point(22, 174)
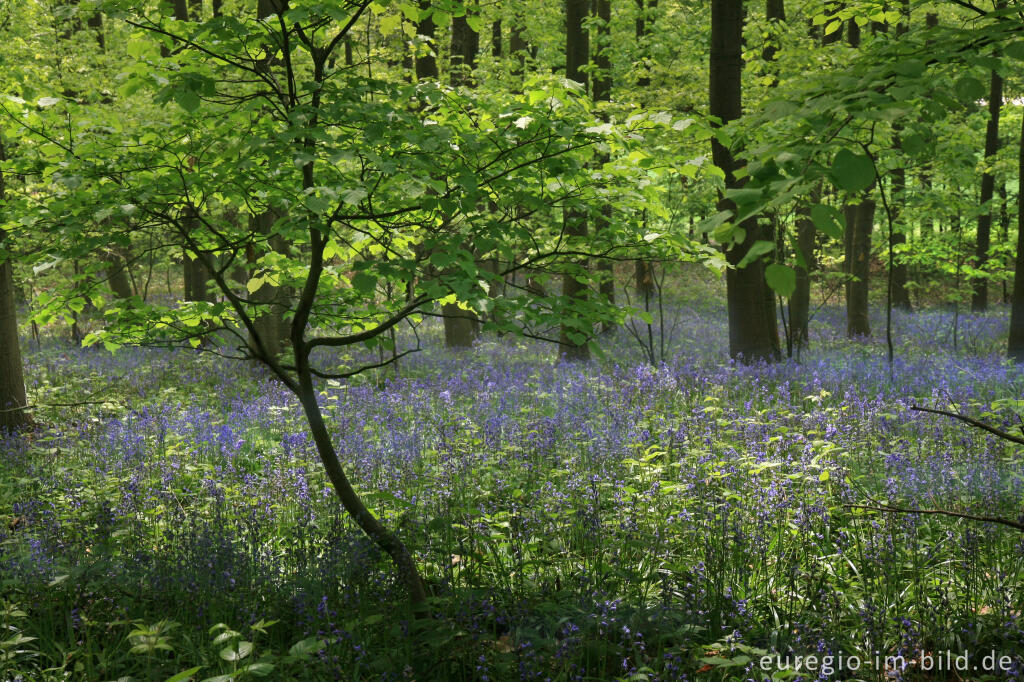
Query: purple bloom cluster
point(572, 521)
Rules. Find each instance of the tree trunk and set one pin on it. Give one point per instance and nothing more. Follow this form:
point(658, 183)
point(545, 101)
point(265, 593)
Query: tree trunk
point(496, 39)
point(753, 334)
point(117, 275)
point(465, 46)
point(602, 92)
point(12, 381)
point(900, 293)
point(577, 54)
point(1016, 345)
point(518, 49)
point(643, 273)
point(800, 303)
point(426, 63)
point(979, 298)
point(350, 500)
point(857, 322)
point(270, 324)
point(461, 327)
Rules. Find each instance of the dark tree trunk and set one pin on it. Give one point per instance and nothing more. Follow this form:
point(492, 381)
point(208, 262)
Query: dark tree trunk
point(577, 54)
point(643, 272)
point(461, 327)
point(857, 322)
point(465, 46)
point(836, 35)
point(426, 63)
point(900, 276)
point(12, 381)
point(979, 298)
point(602, 92)
point(753, 334)
point(1016, 344)
point(900, 293)
point(800, 303)
point(852, 33)
point(1004, 231)
point(496, 39)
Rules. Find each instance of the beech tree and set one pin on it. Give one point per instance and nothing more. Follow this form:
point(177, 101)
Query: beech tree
point(381, 210)
point(753, 334)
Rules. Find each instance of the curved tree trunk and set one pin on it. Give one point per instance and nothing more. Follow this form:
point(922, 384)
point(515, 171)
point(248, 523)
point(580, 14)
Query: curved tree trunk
point(408, 574)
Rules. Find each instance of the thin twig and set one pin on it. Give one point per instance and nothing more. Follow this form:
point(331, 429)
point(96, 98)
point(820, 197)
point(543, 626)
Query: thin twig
point(941, 512)
point(973, 422)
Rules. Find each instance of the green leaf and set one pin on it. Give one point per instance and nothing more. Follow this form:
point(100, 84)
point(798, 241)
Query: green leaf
point(852, 172)
point(305, 647)
point(828, 220)
point(911, 68)
point(364, 283)
point(236, 652)
point(184, 675)
point(781, 278)
point(186, 99)
point(757, 249)
point(1015, 50)
point(390, 23)
point(259, 669)
point(969, 89)
point(353, 196)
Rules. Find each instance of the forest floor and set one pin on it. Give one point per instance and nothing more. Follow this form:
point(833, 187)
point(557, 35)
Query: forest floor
point(608, 521)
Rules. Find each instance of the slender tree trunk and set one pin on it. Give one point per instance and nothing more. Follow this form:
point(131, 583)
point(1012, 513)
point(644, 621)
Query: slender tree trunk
point(426, 62)
point(1016, 344)
point(857, 322)
point(753, 333)
point(643, 274)
point(465, 47)
point(12, 381)
point(900, 293)
point(1004, 232)
point(461, 327)
point(577, 54)
point(800, 303)
point(602, 92)
point(979, 297)
point(518, 48)
point(391, 544)
point(900, 276)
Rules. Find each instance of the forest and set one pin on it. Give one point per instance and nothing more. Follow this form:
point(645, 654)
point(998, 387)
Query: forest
point(488, 340)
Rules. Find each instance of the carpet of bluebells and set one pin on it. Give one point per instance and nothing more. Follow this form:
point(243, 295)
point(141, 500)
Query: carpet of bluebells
point(607, 521)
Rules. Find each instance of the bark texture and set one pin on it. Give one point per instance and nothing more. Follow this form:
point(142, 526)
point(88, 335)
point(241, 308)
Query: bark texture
point(577, 54)
point(753, 334)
